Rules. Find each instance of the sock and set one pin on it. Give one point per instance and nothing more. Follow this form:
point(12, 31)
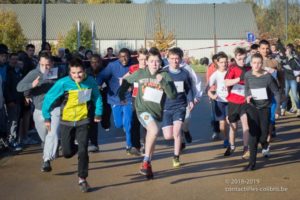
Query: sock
point(81, 180)
point(232, 147)
point(147, 159)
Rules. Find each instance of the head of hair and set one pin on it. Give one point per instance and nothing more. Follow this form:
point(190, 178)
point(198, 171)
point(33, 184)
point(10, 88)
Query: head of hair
point(221, 55)
point(254, 46)
point(96, 56)
point(76, 62)
point(257, 55)
point(291, 46)
point(125, 50)
point(153, 51)
point(142, 51)
point(214, 57)
point(88, 51)
point(46, 56)
point(176, 51)
point(29, 46)
point(109, 48)
point(44, 44)
point(239, 50)
point(13, 54)
point(81, 48)
point(204, 61)
point(264, 42)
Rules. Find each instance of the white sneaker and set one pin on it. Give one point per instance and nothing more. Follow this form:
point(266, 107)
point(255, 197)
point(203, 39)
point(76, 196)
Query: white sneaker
point(215, 136)
point(282, 113)
point(298, 113)
point(266, 152)
point(107, 129)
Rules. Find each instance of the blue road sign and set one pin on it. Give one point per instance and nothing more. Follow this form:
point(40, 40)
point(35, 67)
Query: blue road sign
point(251, 37)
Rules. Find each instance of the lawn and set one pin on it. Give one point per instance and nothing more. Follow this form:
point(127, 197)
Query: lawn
point(199, 68)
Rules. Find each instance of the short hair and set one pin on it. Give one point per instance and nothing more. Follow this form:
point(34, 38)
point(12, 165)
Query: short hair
point(125, 50)
point(96, 56)
point(176, 51)
point(254, 46)
point(264, 42)
point(46, 56)
point(109, 48)
point(221, 55)
point(153, 51)
point(81, 48)
point(239, 50)
point(76, 62)
point(13, 54)
point(29, 46)
point(142, 51)
point(257, 55)
point(214, 57)
point(204, 61)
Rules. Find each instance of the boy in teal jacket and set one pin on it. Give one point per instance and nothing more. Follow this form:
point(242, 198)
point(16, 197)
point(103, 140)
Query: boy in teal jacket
point(76, 92)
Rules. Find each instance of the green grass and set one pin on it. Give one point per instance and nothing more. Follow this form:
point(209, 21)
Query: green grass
point(199, 68)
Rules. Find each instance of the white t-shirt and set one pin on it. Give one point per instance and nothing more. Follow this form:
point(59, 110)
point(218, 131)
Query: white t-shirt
point(218, 79)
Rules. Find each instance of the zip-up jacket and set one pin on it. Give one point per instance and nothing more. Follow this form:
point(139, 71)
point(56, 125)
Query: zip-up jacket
point(77, 96)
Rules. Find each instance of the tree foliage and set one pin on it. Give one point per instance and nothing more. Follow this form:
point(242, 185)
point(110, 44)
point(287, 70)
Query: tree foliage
point(162, 39)
point(11, 32)
point(70, 40)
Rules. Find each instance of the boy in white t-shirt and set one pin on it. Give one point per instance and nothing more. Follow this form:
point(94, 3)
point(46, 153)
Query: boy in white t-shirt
point(217, 79)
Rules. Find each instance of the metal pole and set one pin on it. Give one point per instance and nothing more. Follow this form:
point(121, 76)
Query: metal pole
point(93, 36)
point(286, 19)
point(78, 34)
point(43, 23)
point(215, 32)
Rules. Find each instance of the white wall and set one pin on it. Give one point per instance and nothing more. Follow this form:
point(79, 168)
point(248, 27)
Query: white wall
point(191, 47)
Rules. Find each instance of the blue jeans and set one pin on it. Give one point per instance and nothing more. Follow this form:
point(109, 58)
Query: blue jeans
point(122, 118)
point(291, 85)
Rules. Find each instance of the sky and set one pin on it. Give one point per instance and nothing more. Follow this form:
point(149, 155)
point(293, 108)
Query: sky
point(191, 1)
point(187, 1)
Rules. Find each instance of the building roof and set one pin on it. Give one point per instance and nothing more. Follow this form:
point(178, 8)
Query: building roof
point(137, 21)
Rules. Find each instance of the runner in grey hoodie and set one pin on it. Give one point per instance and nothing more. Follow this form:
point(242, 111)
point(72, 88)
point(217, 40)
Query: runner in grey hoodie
point(35, 85)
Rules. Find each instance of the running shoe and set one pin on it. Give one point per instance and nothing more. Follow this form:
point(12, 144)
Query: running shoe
point(93, 148)
point(229, 151)
point(215, 136)
point(176, 162)
point(146, 170)
point(46, 166)
point(266, 152)
point(132, 151)
point(246, 154)
point(84, 186)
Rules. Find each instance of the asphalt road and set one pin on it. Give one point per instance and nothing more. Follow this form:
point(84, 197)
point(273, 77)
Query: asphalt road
point(205, 174)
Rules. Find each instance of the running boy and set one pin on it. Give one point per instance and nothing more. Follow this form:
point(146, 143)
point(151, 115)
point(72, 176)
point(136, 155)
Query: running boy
point(77, 91)
point(260, 87)
point(154, 86)
point(219, 94)
point(175, 109)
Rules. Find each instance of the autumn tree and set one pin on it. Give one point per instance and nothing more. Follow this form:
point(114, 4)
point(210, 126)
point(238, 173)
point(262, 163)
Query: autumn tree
point(70, 40)
point(162, 39)
point(11, 32)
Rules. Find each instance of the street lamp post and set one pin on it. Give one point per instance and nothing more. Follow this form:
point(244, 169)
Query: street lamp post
point(43, 23)
point(215, 32)
point(286, 19)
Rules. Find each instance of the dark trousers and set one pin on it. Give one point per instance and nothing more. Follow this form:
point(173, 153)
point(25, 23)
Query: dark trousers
point(135, 131)
point(258, 121)
point(105, 122)
point(214, 123)
point(93, 132)
point(69, 149)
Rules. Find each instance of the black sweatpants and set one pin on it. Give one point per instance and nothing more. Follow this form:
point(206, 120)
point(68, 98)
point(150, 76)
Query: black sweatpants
point(69, 149)
point(105, 122)
point(135, 128)
point(258, 121)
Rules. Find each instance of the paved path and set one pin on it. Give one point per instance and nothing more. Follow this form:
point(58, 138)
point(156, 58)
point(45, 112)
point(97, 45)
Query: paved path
point(205, 174)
